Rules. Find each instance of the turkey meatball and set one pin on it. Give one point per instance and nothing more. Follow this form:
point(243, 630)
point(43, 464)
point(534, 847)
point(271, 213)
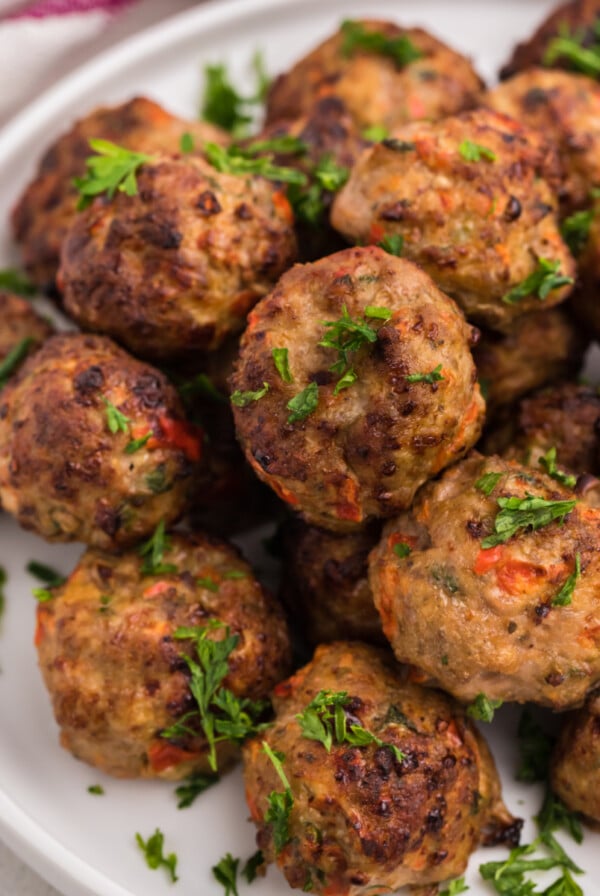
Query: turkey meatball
point(22, 330)
point(407, 806)
point(386, 75)
point(489, 585)
point(355, 384)
point(175, 268)
point(539, 347)
point(575, 766)
point(566, 108)
point(93, 444)
point(577, 17)
point(467, 199)
point(325, 583)
point(120, 642)
point(48, 205)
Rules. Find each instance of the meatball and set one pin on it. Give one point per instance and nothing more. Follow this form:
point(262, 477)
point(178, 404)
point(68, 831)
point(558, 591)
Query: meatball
point(586, 237)
point(174, 269)
point(21, 331)
point(93, 444)
point(376, 392)
point(566, 108)
point(119, 646)
point(483, 589)
point(563, 419)
point(575, 767)
point(407, 75)
point(48, 204)
point(406, 808)
point(540, 347)
point(468, 199)
point(325, 583)
point(578, 17)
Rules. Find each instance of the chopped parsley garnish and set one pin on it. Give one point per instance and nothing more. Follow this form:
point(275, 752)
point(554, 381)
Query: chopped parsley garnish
point(434, 376)
point(280, 804)
point(376, 133)
point(13, 359)
point(575, 230)
point(157, 480)
point(154, 854)
point(565, 595)
point(392, 243)
point(96, 790)
point(531, 512)
point(153, 550)
point(221, 714)
point(488, 482)
point(455, 887)
point(135, 444)
point(475, 152)
point(286, 145)
point(225, 873)
point(250, 869)
point(208, 583)
point(15, 281)
point(186, 143)
point(400, 49)
point(115, 419)
point(303, 404)
point(105, 602)
point(402, 549)
point(113, 169)
point(46, 574)
point(200, 385)
point(569, 46)
point(325, 720)
point(282, 364)
point(540, 283)
point(235, 574)
point(231, 160)
point(308, 201)
point(329, 175)
point(554, 815)
point(346, 336)
point(42, 595)
point(535, 747)
point(192, 787)
point(223, 105)
point(243, 399)
point(548, 463)
point(483, 708)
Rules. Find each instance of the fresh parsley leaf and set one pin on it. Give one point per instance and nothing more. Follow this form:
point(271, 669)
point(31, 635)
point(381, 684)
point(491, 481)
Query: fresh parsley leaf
point(116, 421)
point(455, 887)
point(192, 787)
point(186, 143)
point(280, 804)
point(281, 361)
point(346, 336)
point(475, 152)
point(221, 103)
point(243, 399)
point(154, 855)
point(105, 602)
point(569, 46)
point(548, 463)
point(96, 790)
point(250, 869)
point(46, 574)
point(565, 595)
point(235, 574)
point(535, 747)
point(356, 38)
point(113, 169)
point(286, 144)
point(15, 281)
point(392, 243)
point(309, 200)
point(200, 386)
point(153, 550)
point(402, 549)
point(303, 404)
point(42, 595)
point(14, 359)
point(483, 708)
point(230, 161)
point(576, 228)
point(488, 482)
point(531, 512)
point(376, 133)
point(540, 283)
point(330, 176)
point(554, 815)
point(135, 444)
point(225, 873)
point(434, 376)
point(208, 583)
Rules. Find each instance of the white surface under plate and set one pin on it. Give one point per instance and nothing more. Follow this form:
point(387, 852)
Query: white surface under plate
point(85, 844)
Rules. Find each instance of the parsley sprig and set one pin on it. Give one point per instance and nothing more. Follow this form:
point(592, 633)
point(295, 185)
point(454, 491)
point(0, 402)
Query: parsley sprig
point(434, 376)
point(191, 788)
point(15, 281)
point(518, 514)
point(325, 720)
point(401, 50)
point(223, 105)
point(225, 873)
point(569, 46)
point(483, 708)
point(565, 595)
point(548, 463)
point(153, 849)
point(544, 279)
point(280, 804)
point(575, 230)
point(234, 160)
point(243, 399)
point(309, 200)
point(113, 169)
point(303, 404)
point(14, 359)
point(152, 552)
point(346, 336)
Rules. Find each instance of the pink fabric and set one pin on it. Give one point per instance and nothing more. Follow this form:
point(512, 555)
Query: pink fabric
point(40, 9)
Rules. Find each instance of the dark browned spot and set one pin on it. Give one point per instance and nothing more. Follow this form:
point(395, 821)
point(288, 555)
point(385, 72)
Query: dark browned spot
point(208, 204)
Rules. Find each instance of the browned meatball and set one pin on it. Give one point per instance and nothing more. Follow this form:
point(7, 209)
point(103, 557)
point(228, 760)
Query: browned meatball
point(540, 347)
point(586, 299)
point(114, 662)
point(175, 268)
point(349, 432)
point(564, 417)
point(477, 612)
point(48, 205)
point(368, 818)
point(325, 583)
point(575, 767)
point(566, 108)
point(21, 331)
point(577, 17)
point(93, 444)
point(480, 225)
point(415, 76)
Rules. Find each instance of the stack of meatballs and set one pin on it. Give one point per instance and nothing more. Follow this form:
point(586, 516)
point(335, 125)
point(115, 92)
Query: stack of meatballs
point(374, 343)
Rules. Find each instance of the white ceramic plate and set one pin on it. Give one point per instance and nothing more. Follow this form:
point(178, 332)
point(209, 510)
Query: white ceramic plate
point(84, 844)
